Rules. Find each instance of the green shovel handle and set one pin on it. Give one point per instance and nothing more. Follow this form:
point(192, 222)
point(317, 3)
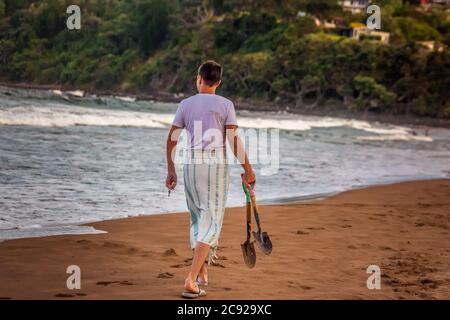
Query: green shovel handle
point(247, 193)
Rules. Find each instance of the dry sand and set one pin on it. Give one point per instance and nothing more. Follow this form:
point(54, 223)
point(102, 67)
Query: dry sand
point(321, 251)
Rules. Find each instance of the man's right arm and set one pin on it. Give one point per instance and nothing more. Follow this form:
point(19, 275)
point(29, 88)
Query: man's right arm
point(171, 144)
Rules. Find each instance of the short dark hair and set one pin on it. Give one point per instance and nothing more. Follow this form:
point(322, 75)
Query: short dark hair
point(211, 72)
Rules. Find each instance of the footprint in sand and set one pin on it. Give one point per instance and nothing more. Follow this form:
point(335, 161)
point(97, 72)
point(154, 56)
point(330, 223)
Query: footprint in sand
point(215, 264)
point(430, 283)
point(181, 265)
point(170, 252)
point(315, 228)
point(346, 226)
point(107, 283)
point(186, 263)
point(420, 224)
point(423, 205)
point(165, 275)
point(306, 287)
point(132, 250)
point(301, 232)
point(294, 284)
point(63, 295)
point(352, 247)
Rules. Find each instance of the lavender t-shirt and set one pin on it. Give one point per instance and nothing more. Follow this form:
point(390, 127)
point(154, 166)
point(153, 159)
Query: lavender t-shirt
point(205, 116)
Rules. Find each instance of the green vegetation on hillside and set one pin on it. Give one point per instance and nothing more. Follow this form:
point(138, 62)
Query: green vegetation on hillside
point(270, 52)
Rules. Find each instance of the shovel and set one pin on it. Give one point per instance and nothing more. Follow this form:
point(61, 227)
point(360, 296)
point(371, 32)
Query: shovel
point(248, 248)
point(262, 238)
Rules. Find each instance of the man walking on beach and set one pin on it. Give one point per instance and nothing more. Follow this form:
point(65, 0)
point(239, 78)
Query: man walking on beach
point(208, 119)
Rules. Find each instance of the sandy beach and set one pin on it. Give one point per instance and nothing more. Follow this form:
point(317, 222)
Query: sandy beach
point(321, 251)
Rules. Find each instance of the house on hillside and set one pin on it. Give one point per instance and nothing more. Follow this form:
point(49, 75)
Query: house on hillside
point(432, 46)
point(443, 2)
point(364, 33)
point(426, 4)
point(359, 31)
point(355, 6)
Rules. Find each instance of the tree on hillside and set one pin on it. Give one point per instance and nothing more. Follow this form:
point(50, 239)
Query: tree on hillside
point(371, 94)
point(2, 9)
point(152, 18)
point(323, 9)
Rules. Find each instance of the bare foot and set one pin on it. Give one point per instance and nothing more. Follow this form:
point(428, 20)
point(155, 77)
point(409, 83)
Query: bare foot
point(191, 286)
point(203, 275)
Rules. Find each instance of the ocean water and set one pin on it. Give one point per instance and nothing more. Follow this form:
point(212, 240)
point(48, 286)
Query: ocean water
point(66, 160)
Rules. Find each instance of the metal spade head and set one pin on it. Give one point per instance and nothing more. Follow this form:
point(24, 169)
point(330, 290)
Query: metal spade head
point(263, 241)
point(248, 251)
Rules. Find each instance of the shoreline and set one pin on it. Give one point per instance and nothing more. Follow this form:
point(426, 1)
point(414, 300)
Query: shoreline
point(255, 105)
point(321, 251)
point(265, 202)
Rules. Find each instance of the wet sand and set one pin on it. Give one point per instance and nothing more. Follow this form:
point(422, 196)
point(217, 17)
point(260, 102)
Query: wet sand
point(321, 251)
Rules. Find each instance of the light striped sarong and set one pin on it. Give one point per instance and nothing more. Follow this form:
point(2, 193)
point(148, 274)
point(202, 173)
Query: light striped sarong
point(206, 183)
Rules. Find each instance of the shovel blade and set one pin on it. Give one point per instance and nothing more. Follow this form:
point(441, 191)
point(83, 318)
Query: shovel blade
point(248, 251)
point(263, 241)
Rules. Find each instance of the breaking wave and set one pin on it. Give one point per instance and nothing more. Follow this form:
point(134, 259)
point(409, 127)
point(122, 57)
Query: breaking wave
point(60, 115)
